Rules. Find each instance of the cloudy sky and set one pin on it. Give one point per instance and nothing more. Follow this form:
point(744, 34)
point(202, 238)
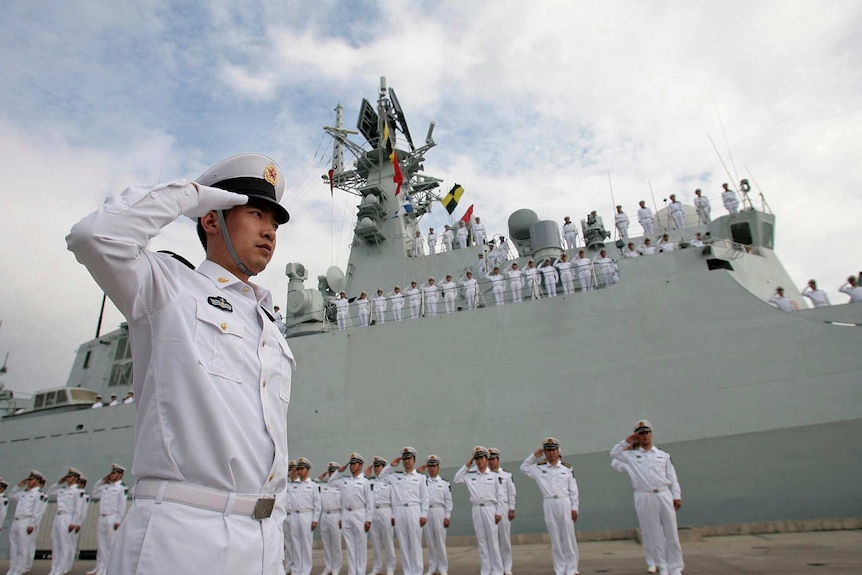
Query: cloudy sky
point(535, 103)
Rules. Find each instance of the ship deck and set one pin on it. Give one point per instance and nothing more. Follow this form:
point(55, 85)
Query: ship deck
point(833, 552)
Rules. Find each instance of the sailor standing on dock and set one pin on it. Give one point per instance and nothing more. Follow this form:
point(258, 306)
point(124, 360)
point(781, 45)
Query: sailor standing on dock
point(357, 509)
point(409, 508)
point(111, 494)
point(330, 522)
point(30, 507)
point(505, 526)
point(213, 373)
point(559, 488)
point(304, 517)
point(4, 503)
point(382, 538)
point(439, 513)
point(487, 498)
point(62, 532)
point(657, 497)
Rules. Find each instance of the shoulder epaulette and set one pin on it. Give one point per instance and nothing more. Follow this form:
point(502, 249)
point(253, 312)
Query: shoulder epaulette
point(81, 494)
point(472, 471)
point(569, 465)
point(399, 473)
point(542, 463)
point(178, 257)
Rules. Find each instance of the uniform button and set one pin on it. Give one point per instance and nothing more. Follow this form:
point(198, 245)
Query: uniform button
point(264, 383)
point(271, 475)
point(246, 289)
point(223, 326)
point(263, 344)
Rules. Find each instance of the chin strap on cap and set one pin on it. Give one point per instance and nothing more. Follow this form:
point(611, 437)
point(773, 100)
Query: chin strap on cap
point(229, 245)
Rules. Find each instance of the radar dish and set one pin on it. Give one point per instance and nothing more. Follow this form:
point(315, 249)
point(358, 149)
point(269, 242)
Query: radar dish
point(399, 115)
point(335, 279)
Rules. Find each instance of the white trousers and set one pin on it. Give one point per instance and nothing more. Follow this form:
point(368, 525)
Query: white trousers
point(517, 290)
point(585, 278)
point(732, 207)
point(300, 541)
point(380, 315)
point(105, 536)
point(704, 215)
point(396, 311)
point(414, 309)
point(623, 229)
point(382, 542)
point(19, 546)
point(409, 538)
point(568, 282)
point(605, 274)
point(330, 534)
point(449, 301)
point(504, 528)
point(431, 307)
point(448, 243)
point(470, 296)
point(356, 540)
point(678, 219)
point(462, 242)
point(363, 318)
point(432, 247)
point(535, 287)
point(647, 226)
point(341, 318)
point(561, 529)
point(571, 241)
point(657, 519)
point(435, 541)
point(165, 538)
point(551, 286)
point(288, 546)
point(61, 543)
point(487, 537)
point(499, 294)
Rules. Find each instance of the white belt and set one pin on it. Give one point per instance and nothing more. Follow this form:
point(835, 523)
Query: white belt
point(407, 505)
point(486, 504)
point(381, 507)
point(658, 490)
point(435, 505)
point(204, 498)
point(556, 497)
point(332, 511)
point(17, 517)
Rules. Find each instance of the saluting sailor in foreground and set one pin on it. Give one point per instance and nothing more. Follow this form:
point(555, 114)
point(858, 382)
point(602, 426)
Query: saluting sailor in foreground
point(409, 508)
point(439, 514)
point(330, 522)
point(62, 532)
point(382, 537)
point(559, 489)
point(487, 498)
point(509, 493)
point(212, 372)
point(357, 509)
point(657, 497)
point(30, 507)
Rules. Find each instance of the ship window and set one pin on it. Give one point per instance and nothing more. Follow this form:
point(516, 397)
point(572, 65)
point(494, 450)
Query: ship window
point(40, 401)
point(768, 234)
point(741, 233)
point(49, 398)
point(87, 358)
point(121, 372)
point(61, 397)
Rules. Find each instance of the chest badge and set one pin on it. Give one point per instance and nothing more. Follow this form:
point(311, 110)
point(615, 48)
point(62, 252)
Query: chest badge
point(220, 302)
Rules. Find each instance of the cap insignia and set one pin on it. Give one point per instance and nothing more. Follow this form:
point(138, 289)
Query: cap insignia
point(270, 174)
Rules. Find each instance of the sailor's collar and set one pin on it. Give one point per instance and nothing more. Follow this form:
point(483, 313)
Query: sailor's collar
point(223, 278)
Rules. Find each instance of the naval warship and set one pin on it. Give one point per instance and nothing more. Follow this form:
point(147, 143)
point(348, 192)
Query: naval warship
point(760, 408)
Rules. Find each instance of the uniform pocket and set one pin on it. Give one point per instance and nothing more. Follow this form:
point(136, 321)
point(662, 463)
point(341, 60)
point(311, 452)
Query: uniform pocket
point(218, 341)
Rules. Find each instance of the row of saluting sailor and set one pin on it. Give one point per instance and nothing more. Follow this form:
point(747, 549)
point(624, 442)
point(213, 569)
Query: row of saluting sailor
point(818, 297)
point(353, 505)
point(72, 506)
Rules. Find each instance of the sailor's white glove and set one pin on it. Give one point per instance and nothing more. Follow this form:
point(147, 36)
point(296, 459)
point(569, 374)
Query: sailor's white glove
point(210, 199)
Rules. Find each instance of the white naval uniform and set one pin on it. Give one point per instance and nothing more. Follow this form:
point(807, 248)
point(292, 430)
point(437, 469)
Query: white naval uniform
point(566, 276)
point(31, 549)
point(479, 234)
point(470, 291)
point(61, 538)
point(414, 301)
point(234, 368)
point(605, 268)
point(448, 239)
point(818, 297)
point(30, 507)
point(4, 508)
point(450, 291)
point(549, 273)
point(621, 220)
point(656, 486)
point(289, 561)
point(703, 208)
point(418, 246)
point(363, 310)
point(112, 506)
point(533, 281)
point(646, 250)
point(678, 214)
point(783, 303)
point(855, 292)
point(646, 220)
point(397, 300)
point(516, 284)
point(498, 286)
point(409, 505)
point(505, 526)
point(439, 509)
point(462, 237)
point(481, 267)
point(487, 499)
point(341, 308)
point(382, 536)
point(730, 201)
point(570, 232)
point(357, 509)
point(306, 510)
point(631, 254)
point(432, 243)
point(330, 528)
point(584, 273)
point(380, 304)
point(560, 492)
point(429, 292)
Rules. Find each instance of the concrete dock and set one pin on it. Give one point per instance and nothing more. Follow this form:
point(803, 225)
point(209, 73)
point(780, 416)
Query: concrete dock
point(820, 553)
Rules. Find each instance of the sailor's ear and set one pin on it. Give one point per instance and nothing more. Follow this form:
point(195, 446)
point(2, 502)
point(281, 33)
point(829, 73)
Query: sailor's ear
point(209, 223)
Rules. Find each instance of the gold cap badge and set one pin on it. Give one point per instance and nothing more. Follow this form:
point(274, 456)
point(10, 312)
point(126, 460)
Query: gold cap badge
point(270, 174)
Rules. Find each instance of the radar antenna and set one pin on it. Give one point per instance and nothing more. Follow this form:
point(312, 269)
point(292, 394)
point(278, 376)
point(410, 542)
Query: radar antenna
point(399, 117)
